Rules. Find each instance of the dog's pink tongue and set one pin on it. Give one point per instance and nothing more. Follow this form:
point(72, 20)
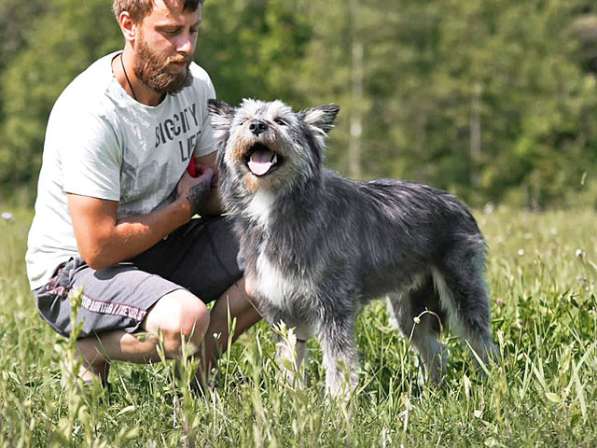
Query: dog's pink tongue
point(261, 161)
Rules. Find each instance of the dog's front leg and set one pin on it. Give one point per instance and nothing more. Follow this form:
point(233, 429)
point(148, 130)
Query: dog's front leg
point(340, 359)
point(290, 353)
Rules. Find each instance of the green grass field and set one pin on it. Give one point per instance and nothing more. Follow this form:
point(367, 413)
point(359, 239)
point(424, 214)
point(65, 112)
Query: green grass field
point(542, 271)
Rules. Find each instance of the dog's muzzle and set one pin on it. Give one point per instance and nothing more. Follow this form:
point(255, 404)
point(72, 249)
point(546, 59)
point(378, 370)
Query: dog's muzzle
point(261, 160)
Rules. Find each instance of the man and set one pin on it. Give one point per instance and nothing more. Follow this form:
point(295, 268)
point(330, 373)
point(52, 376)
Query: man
point(115, 201)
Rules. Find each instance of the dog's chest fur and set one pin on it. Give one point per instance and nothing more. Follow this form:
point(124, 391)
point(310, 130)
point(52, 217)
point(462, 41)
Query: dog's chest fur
point(278, 286)
point(271, 267)
point(259, 207)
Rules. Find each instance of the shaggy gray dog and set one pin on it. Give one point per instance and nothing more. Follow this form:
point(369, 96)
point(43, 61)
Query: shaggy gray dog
point(316, 246)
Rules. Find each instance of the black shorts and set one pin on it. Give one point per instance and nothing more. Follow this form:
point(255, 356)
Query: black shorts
point(199, 256)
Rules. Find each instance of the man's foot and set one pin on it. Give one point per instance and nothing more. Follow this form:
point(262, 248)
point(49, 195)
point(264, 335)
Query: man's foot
point(89, 376)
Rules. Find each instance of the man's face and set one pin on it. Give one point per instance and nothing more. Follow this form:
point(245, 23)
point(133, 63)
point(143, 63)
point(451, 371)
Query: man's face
point(164, 45)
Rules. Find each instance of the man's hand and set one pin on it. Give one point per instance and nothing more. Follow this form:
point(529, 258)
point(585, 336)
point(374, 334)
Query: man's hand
point(196, 189)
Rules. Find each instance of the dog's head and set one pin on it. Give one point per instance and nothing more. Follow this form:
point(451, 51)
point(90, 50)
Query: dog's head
point(267, 146)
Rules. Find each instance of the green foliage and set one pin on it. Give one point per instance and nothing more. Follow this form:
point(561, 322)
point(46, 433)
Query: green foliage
point(251, 49)
point(542, 272)
point(493, 100)
point(59, 45)
point(15, 18)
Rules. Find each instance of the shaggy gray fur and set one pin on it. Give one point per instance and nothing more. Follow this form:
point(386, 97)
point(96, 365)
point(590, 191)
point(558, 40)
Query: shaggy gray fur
point(316, 246)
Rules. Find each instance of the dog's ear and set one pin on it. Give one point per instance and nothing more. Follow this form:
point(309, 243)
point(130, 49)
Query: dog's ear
point(221, 115)
point(321, 118)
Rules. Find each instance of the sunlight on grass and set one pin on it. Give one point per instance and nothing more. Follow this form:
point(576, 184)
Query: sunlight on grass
point(542, 270)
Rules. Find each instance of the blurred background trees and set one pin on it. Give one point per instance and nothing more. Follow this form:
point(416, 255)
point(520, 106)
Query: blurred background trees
point(494, 100)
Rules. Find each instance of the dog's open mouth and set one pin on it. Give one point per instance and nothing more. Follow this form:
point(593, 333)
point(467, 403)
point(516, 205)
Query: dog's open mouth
point(261, 160)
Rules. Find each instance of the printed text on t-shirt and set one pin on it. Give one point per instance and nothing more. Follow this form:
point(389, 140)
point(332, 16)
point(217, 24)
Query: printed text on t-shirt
point(177, 127)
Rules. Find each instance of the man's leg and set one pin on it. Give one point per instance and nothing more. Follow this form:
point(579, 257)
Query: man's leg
point(176, 316)
point(233, 306)
point(203, 258)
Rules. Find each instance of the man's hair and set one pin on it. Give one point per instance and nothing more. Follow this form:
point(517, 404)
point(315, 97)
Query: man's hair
point(138, 9)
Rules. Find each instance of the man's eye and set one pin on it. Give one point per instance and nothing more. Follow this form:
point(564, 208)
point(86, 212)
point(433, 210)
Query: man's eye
point(280, 121)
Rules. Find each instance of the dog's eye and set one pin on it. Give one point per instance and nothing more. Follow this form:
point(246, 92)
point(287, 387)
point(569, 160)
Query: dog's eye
point(280, 121)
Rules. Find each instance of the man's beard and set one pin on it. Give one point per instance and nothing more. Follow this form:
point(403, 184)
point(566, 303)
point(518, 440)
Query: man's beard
point(152, 70)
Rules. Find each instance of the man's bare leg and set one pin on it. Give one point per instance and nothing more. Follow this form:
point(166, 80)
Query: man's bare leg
point(175, 316)
point(233, 305)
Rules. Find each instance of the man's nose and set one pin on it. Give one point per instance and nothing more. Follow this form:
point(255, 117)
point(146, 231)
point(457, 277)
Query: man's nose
point(257, 127)
point(185, 44)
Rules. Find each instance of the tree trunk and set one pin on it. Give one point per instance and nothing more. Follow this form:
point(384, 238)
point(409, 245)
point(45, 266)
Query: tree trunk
point(356, 116)
point(475, 136)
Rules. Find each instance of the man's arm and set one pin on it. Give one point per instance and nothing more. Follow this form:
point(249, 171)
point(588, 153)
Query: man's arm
point(102, 240)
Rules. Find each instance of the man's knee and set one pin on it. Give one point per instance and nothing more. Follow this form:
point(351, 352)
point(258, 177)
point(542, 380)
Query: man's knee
point(179, 316)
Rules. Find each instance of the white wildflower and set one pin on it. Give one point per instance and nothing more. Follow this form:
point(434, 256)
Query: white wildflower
point(489, 208)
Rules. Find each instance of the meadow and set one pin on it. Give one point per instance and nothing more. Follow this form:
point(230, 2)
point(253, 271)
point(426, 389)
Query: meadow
point(542, 272)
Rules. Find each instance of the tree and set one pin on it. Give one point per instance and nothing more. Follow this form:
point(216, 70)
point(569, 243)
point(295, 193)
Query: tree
point(251, 49)
point(491, 100)
point(61, 44)
point(15, 29)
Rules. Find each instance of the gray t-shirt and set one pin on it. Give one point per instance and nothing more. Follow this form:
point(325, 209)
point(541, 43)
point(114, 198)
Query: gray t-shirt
point(102, 143)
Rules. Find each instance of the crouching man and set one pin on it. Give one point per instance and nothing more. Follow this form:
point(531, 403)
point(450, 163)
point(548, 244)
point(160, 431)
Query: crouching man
point(115, 202)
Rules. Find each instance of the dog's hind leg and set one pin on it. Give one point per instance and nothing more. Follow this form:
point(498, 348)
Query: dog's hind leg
point(419, 317)
point(460, 282)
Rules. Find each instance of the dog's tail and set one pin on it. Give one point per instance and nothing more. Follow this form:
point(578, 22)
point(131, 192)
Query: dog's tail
point(460, 285)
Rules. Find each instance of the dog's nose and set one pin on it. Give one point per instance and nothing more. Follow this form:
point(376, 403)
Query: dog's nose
point(258, 127)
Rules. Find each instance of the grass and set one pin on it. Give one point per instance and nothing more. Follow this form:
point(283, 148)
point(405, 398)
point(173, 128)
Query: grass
point(542, 272)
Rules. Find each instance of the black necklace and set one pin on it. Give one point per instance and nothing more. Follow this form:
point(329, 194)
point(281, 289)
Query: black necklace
point(127, 78)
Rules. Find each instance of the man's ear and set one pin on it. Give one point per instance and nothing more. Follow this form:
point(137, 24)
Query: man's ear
point(221, 115)
point(321, 118)
point(127, 26)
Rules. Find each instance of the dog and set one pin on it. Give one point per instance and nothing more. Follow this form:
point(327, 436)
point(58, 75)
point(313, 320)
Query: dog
point(316, 247)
